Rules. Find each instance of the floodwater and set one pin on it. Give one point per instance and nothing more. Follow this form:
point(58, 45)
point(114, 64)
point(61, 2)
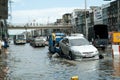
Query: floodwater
point(27, 63)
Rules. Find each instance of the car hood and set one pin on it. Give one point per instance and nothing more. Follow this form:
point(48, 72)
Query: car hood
point(84, 48)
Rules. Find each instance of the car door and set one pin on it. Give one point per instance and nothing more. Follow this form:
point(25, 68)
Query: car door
point(66, 47)
point(62, 45)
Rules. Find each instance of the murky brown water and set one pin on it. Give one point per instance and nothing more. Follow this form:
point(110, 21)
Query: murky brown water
point(27, 63)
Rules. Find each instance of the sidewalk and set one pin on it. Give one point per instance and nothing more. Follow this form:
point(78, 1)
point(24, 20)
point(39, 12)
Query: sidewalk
point(3, 54)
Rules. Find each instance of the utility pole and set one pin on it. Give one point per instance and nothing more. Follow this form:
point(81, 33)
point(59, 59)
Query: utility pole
point(10, 2)
point(86, 27)
point(118, 24)
point(10, 9)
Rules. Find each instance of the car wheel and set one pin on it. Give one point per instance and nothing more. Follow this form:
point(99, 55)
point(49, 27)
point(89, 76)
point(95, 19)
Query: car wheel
point(43, 45)
point(34, 45)
point(71, 57)
point(61, 53)
point(51, 50)
point(101, 56)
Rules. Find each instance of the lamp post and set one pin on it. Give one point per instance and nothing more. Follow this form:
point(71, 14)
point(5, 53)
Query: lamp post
point(118, 15)
point(86, 27)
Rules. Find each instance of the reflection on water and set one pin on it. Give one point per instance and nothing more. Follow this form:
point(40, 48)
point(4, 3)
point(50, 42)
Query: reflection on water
point(109, 69)
point(28, 63)
point(3, 67)
point(116, 67)
point(105, 69)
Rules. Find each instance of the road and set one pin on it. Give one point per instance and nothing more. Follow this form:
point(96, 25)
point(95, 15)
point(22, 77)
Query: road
point(27, 63)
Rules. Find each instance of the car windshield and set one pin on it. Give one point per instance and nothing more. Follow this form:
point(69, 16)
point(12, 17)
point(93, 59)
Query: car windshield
point(59, 36)
point(78, 42)
point(39, 39)
point(20, 36)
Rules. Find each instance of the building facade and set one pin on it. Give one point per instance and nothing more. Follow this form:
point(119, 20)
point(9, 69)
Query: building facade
point(105, 15)
point(66, 18)
point(3, 18)
point(3, 9)
point(78, 20)
point(112, 16)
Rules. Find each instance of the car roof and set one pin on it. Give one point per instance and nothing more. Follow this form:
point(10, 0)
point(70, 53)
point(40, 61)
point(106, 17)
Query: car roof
point(74, 37)
point(39, 38)
point(77, 34)
point(59, 34)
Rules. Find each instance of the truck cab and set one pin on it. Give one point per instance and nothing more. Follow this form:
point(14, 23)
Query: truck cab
point(52, 48)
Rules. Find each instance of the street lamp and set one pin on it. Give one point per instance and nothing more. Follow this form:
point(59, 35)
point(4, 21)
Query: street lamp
point(86, 27)
point(118, 15)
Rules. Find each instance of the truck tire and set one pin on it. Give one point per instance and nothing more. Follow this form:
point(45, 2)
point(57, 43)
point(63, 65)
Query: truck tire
point(71, 57)
point(61, 53)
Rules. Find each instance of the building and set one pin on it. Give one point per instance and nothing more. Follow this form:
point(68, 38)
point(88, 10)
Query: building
point(118, 10)
point(3, 29)
point(59, 21)
point(113, 16)
point(77, 20)
point(3, 17)
point(66, 18)
point(105, 14)
point(3, 9)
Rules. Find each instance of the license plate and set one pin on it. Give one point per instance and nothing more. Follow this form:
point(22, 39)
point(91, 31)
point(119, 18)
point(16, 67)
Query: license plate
point(101, 45)
point(88, 55)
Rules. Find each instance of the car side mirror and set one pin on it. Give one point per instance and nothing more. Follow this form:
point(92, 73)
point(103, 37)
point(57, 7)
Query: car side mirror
point(67, 44)
point(90, 43)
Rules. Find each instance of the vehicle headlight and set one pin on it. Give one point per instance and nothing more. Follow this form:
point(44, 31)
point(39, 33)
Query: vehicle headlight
point(96, 52)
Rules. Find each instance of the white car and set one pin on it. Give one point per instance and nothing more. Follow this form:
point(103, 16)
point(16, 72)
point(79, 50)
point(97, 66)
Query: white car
point(37, 42)
point(75, 47)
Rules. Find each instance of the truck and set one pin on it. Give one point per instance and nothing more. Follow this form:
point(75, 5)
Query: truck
point(55, 49)
point(100, 39)
point(98, 35)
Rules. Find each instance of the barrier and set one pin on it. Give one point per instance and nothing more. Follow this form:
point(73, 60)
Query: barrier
point(115, 50)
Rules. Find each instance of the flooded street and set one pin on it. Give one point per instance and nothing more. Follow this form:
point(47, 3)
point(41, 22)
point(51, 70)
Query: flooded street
point(31, 29)
point(27, 63)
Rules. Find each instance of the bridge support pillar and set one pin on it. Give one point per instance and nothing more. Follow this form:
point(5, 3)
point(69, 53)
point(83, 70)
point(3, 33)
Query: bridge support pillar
point(41, 31)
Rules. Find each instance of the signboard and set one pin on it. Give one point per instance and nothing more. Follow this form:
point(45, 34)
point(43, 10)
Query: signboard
point(116, 37)
point(98, 14)
point(98, 17)
point(3, 9)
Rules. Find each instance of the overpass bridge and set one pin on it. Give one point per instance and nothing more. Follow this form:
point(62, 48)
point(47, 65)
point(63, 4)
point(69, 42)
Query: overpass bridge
point(41, 27)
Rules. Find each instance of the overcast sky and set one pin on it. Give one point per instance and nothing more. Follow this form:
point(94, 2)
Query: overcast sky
point(42, 11)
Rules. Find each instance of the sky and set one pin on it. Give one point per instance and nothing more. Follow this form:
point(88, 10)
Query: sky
point(44, 11)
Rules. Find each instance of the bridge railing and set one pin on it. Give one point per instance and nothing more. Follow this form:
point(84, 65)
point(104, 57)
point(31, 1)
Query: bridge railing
point(42, 25)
